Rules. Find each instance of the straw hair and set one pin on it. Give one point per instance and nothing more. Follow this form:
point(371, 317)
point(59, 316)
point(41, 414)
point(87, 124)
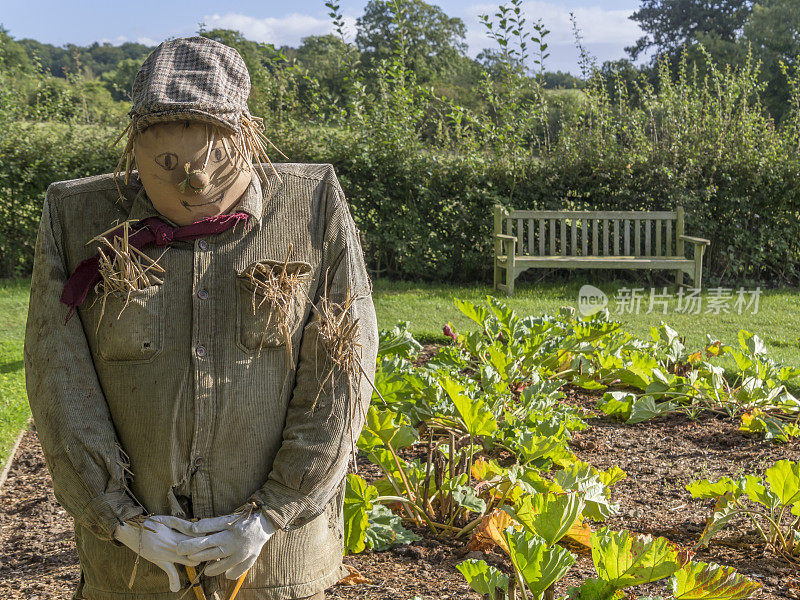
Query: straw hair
point(249, 144)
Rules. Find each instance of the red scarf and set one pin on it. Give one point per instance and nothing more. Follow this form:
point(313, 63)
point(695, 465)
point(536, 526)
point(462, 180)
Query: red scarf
point(151, 231)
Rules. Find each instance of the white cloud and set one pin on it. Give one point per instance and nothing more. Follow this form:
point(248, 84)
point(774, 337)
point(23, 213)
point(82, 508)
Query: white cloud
point(121, 39)
point(289, 29)
point(605, 32)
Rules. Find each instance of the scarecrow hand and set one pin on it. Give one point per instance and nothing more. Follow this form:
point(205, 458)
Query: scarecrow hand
point(157, 543)
point(234, 541)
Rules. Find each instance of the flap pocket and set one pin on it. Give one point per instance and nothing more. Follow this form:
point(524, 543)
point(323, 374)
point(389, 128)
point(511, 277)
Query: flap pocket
point(271, 302)
point(130, 328)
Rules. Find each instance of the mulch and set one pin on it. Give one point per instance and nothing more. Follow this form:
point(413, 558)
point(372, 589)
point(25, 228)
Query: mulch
point(38, 559)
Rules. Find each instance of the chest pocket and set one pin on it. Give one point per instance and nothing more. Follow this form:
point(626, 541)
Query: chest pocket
point(271, 302)
point(129, 329)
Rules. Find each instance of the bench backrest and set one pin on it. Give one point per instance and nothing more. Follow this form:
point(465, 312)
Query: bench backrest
point(592, 233)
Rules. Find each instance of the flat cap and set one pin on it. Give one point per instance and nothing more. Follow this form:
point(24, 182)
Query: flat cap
point(191, 78)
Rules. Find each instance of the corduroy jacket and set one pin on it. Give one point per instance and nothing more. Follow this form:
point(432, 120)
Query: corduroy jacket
point(183, 399)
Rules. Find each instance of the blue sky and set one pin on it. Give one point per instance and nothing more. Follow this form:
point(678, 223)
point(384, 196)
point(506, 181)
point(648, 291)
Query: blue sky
point(605, 24)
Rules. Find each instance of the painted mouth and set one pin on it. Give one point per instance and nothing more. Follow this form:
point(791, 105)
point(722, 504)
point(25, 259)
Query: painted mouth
point(188, 206)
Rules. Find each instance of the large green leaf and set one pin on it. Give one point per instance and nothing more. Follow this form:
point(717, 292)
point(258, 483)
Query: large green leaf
point(386, 529)
point(482, 577)
point(539, 565)
point(645, 408)
point(386, 428)
point(595, 589)
point(473, 311)
point(757, 492)
point(357, 502)
point(581, 477)
point(639, 373)
point(784, 481)
point(705, 488)
point(702, 581)
point(398, 341)
point(533, 447)
point(617, 404)
point(625, 559)
point(466, 496)
point(549, 516)
point(477, 417)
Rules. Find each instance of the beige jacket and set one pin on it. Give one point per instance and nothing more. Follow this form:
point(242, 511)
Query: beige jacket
point(169, 407)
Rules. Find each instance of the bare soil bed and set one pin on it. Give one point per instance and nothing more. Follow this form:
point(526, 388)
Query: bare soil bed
point(38, 559)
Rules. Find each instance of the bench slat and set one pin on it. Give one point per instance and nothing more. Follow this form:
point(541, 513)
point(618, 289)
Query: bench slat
point(593, 214)
point(584, 237)
point(520, 238)
point(563, 237)
point(541, 236)
point(573, 247)
point(603, 262)
point(595, 223)
point(669, 239)
point(647, 248)
point(553, 236)
point(627, 238)
point(637, 239)
point(658, 237)
point(616, 238)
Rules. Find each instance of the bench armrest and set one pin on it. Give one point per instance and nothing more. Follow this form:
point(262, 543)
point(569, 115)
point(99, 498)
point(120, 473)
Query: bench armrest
point(503, 236)
point(694, 240)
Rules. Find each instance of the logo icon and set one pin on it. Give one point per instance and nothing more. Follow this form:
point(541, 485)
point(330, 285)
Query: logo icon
point(591, 300)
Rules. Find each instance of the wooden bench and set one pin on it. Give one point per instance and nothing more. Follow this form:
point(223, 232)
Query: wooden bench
point(530, 239)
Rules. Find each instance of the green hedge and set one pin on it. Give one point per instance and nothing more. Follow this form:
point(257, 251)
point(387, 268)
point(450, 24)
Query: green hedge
point(33, 155)
point(427, 215)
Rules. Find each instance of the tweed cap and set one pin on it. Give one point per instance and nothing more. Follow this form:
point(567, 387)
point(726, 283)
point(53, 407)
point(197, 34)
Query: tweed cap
point(191, 78)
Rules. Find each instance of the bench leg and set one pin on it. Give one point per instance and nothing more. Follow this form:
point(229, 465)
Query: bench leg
point(510, 281)
point(698, 265)
point(678, 279)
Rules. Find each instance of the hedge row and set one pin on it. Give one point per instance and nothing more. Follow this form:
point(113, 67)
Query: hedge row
point(428, 216)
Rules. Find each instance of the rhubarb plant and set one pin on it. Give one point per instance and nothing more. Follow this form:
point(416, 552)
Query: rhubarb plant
point(771, 504)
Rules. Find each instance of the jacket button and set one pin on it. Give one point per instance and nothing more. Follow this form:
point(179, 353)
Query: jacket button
point(203, 245)
point(200, 351)
point(198, 461)
point(202, 294)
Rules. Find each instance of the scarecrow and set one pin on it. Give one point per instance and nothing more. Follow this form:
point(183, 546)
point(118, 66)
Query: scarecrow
point(199, 348)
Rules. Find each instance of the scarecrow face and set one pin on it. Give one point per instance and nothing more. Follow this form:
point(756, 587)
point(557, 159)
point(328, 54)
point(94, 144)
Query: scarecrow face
point(190, 170)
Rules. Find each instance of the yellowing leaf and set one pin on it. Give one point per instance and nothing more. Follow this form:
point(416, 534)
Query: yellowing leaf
point(580, 533)
point(354, 577)
point(484, 470)
point(702, 581)
point(489, 531)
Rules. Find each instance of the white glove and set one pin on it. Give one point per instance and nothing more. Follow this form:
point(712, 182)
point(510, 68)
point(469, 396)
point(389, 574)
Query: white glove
point(157, 543)
point(234, 541)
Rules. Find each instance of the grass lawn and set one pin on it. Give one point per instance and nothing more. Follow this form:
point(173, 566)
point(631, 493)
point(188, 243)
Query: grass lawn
point(429, 306)
point(14, 411)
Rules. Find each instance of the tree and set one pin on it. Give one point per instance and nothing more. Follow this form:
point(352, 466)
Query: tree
point(12, 54)
point(669, 24)
point(773, 34)
point(119, 81)
point(434, 41)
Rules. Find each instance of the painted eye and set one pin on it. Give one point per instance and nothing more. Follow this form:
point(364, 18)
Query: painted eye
point(167, 160)
point(218, 154)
